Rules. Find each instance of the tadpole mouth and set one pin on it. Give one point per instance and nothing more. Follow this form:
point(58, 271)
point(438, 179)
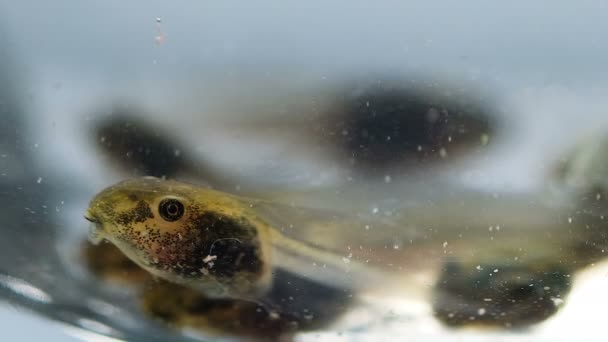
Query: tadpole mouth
point(88, 215)
point(95, 227)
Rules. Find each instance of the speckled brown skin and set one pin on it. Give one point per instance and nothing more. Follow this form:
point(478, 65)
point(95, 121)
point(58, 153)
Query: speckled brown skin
point(220, 244)
point(214, 247)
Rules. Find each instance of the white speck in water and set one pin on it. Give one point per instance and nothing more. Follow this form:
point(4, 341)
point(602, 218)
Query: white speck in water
point(209, 258)
point(395, 246)
point(345, 260)
point(487, 299)
point(35, 145)
point(497, 228)
point(481, 312)
point(490, 228)
point(546, 288)
point(419, 148)
point(39, 180)
point(479, 268)
point(496, 270)
point(557, 301)
point(158, 20)
point(367, 227)
point(484, 139)
point(598, 196)
point(367, 103)
point(445, 244)
point(129, 154)
point(387, 179)
point(569, 219)
point(375, 210)
point(177, 152)
point(443, 153)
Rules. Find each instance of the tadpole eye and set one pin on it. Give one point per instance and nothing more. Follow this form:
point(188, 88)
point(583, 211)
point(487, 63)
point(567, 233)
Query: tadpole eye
point(171, 209)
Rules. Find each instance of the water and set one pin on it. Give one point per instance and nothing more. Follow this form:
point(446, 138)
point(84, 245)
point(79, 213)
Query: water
point(236, 90)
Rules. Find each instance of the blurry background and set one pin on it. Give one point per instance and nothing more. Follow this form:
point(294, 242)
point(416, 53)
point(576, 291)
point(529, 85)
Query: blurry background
point(540, 66)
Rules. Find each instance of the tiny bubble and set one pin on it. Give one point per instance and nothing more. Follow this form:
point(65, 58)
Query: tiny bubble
point(557, 301)
point(484, 139)
point(39, 180)
point(481, 312)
